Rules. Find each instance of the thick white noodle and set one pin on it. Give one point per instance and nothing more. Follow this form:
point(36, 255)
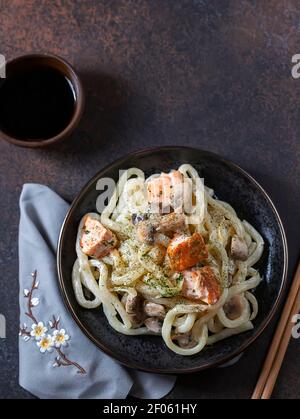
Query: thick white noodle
point(256, 255)
point(232, 324)
point(113, 307)
point(186, 324)
point(250, 297)
point(226, 333)
point(167, 330)
point(214, 326)
point(78, 289)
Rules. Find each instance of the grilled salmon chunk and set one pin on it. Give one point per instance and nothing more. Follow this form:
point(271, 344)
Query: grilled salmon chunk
point(96, 240)
point(185, 252)
point(169, 190)
point(201, 285)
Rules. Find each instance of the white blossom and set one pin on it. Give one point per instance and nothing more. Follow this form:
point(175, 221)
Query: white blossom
point(46, 344)
point(38, 331)
point(60, 338)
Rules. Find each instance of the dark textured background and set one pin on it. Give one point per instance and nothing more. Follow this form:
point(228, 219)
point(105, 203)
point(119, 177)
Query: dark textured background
point(212, 74)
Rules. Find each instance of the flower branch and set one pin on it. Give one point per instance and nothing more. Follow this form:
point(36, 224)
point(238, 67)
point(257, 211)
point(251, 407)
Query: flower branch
point(46, 342)
point(32, 302)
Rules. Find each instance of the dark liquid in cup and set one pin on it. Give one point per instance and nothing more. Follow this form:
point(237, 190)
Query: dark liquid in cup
point(36, 104)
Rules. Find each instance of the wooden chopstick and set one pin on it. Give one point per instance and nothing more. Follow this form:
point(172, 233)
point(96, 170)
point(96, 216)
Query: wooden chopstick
point(273, 362)
point(269, 386)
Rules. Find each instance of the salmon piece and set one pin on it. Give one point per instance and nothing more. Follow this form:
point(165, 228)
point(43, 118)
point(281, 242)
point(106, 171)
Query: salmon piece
point(172, 223)
point(201, 285)
point(185, 252)
point(168, 190)
point(96, 240)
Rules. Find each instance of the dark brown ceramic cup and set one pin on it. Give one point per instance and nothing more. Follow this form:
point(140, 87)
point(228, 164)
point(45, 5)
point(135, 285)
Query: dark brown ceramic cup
point(25, 63)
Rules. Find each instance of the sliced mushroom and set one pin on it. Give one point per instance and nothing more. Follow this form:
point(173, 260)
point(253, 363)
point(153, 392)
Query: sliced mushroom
point(234, 307)
point(134, 308)
point(184, 340)
point(170, 223)
point(239, 248)
point(145, 232)
point(154, 310)
point(154, 324)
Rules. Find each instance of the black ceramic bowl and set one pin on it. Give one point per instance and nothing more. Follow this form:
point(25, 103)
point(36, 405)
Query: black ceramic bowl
point(231, 184)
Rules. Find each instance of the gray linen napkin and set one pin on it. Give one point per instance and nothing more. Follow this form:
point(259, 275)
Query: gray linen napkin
point(56, 359)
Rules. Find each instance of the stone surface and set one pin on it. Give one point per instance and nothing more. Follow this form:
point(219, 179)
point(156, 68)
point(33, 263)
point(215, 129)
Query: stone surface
point(212, 74)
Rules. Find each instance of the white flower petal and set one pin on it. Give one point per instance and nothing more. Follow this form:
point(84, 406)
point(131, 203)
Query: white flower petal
point(26, 338)
point(35, 301)
point(67, 337)
point(37, 284)
point(50, 323)
point(50, 338)
point(33, 326)
point(26, 292)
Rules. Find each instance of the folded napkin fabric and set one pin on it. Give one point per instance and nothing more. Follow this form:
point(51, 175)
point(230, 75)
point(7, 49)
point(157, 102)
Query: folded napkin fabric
point(56, 359)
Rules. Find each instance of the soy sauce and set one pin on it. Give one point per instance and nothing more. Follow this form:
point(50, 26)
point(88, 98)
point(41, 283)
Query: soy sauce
point(36, 104)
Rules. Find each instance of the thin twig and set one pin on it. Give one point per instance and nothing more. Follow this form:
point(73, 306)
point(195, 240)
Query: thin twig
point(24, 332)
point(29, 305)
point(68, 362)
point(55, 323)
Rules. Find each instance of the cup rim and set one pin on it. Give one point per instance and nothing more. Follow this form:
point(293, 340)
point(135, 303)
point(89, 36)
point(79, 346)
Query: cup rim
point(79, 104)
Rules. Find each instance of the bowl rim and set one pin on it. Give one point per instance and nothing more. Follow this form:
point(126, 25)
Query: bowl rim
point(209, 364)
point(79, 104)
